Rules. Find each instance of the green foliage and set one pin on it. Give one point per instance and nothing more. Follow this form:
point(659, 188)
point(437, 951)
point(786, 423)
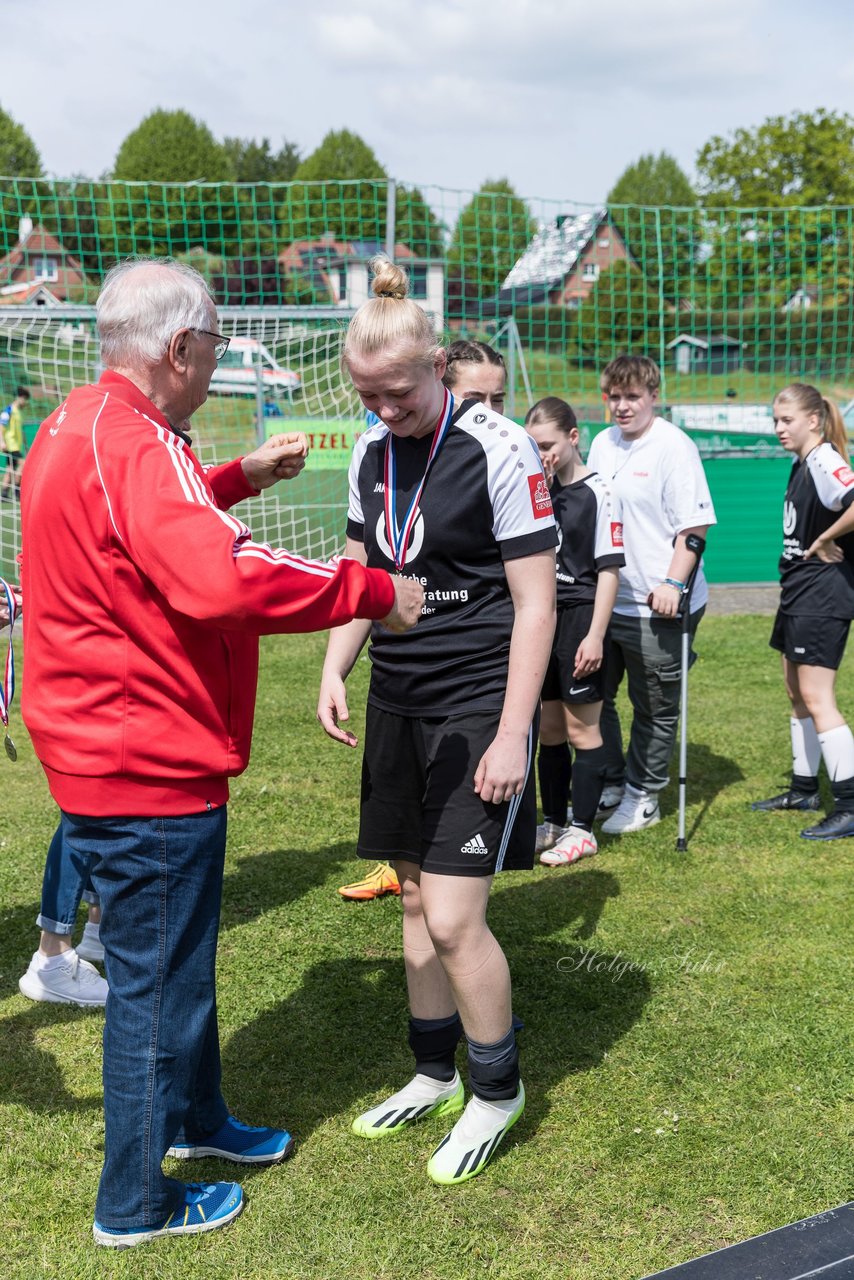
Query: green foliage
point(654, 181)
point(351, 202)
point(492, 233)
point(171, 146)
point(620, 314)
point(19, 159)
point(805, 159)
point(253, 161)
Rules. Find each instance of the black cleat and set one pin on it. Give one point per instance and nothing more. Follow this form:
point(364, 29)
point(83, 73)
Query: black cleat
point(789, 800)
point(836, 826)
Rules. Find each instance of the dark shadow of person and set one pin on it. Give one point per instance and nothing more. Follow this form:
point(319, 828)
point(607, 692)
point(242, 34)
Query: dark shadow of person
point(707, 775)
point(31, 1076)
point(341, 1038)
point(274, 878)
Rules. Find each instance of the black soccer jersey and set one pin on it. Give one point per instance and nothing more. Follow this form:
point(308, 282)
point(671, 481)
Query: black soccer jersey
point(819, 489)
point(591, 537)
point(485, 501)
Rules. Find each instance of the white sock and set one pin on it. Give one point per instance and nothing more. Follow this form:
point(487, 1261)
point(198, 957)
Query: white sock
point(92, 931)
point(806, 748)
point(837, 748)
point(53, 962)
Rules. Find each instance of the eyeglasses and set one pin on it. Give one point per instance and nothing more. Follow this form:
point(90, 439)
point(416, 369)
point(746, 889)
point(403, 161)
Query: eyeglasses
point(221, 345)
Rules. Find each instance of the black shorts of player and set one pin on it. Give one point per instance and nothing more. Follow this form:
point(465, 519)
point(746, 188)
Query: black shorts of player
point(560, 685)
point(419, 802)
point(810, 640)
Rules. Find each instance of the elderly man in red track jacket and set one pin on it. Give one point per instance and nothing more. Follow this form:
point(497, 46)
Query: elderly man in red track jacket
point(145, 600)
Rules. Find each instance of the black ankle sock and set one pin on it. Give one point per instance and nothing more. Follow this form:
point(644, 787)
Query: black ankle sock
point(843, 795)
point(554, 770)
point(434, 1042)
point(587, 783)
point(806, 784)
point(494, 1068)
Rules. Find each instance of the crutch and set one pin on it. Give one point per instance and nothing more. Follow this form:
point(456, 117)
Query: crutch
point(696, 544)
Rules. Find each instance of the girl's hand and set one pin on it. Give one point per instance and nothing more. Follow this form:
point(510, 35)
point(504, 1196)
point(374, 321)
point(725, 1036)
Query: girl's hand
point(829, 552)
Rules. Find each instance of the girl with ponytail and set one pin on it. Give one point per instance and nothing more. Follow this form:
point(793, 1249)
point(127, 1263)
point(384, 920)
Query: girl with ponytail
point(816, 603)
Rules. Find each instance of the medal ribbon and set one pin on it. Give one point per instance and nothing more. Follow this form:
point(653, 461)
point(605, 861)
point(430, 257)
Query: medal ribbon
point(398, 537)
point(7, 692)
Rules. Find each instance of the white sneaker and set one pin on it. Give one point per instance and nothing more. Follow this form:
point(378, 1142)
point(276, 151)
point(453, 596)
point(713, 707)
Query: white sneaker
point(547, 833)
point(608, 801)
point(636, 810)
point(472, 1142)
point(90, 946)
point(72, 981)
point(572, 845)
point(423, 1096)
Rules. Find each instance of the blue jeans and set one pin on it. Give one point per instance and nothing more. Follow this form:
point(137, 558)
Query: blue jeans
point(160, 885)
point(67, 879)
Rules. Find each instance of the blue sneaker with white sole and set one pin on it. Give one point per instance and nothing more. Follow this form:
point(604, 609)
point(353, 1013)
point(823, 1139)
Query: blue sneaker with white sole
point(206, 1206)
point(242, 1143)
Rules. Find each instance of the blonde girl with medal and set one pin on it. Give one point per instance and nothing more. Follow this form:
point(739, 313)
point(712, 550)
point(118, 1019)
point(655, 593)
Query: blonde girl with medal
point(453, 495)
point(816, 604)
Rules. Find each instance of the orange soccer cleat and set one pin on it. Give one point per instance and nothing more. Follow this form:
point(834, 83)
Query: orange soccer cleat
point(378, 882)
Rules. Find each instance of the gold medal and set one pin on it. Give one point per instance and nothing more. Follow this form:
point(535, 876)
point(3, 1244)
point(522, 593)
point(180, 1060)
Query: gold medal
point(11, 749)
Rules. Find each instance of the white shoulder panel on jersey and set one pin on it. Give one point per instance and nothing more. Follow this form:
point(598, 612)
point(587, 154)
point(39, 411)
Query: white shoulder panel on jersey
point(377, 432)
point(521, 503)
point(831, 475)
point(609, 527)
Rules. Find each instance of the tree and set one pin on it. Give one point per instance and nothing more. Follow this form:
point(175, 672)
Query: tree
point(170, 146)
point(802, 160)
point(252, 161)
point(651, 204)
point(620, 314)
point(653, 181)
point(19, 159)
point(492, 233)
point(341, 190)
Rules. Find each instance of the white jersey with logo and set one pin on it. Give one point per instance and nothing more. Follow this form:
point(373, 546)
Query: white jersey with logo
point(661, 487)
point(485, 501)
point(819, 489)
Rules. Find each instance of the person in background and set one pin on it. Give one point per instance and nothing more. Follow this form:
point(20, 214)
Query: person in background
point(655, 474)
point(473, 371)
point(590, 554)
point(145, 599)
point(454, 495)
point(12, 426)
point(816, 604)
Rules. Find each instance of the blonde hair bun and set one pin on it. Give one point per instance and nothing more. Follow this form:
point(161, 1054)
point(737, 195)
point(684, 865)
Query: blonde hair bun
point(389, 280)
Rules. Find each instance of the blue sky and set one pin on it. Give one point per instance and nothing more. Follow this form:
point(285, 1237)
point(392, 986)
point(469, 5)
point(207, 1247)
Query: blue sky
point(557, 95)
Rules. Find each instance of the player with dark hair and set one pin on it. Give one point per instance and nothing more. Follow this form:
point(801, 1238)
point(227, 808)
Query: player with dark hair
point(455, 496)
point(816, 603)
point(589, 557)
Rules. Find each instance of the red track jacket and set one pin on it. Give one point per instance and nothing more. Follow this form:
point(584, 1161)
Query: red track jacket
point(144, 601)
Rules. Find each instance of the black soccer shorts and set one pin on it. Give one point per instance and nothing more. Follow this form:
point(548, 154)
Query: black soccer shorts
point(810, 640)
point(559, 684)
point(418, 798)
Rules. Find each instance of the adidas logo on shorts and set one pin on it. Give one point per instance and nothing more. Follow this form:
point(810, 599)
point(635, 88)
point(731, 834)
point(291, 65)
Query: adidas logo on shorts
point(475, 845)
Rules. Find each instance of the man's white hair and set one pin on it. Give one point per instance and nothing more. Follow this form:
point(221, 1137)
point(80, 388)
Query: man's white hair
point(144, 301)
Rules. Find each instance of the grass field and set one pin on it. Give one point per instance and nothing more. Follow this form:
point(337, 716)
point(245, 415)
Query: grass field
point(686, 1049)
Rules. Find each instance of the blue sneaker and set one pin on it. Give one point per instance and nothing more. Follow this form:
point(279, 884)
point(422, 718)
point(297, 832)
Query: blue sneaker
point(206, 1207)
point(242, 1143)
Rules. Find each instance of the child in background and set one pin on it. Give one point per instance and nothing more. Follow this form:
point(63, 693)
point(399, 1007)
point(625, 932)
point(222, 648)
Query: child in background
point(589, 557)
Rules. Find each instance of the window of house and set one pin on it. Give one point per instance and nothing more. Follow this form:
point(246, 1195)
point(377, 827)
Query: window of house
point(590, 271)
point(418, 282)
point(46, 268)
point(603, 244)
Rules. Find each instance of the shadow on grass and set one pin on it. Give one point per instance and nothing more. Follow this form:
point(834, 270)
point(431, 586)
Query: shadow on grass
point(32, 1077)
point(342, 1037)
point(265, 881)
point(708, 774)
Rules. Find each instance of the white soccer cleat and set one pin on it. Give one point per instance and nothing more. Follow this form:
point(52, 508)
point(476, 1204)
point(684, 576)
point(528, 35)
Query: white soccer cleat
point(422, 1097)
point(572, 845)
point(609, 799)
point(637, 810)
point(474, 1139)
